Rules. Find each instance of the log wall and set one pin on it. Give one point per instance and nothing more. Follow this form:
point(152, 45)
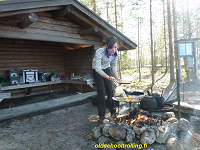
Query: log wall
point(23, 54)
point(78, 62)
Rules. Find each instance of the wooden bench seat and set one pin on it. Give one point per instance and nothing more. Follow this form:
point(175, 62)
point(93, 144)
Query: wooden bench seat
point(28, 87)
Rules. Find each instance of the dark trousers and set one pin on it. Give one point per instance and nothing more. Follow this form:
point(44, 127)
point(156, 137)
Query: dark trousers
point(103, 85)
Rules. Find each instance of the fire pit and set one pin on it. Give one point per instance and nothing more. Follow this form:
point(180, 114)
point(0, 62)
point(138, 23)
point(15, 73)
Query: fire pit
point(158, 131)
point(140, 118)
point(159, 128)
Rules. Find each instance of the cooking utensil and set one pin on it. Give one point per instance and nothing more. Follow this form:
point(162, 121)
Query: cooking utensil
point(124, 82)
point(123, 93)
point(135, 93)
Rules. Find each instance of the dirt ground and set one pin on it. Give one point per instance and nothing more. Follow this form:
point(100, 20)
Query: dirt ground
point(70, 128)
point(65, 129)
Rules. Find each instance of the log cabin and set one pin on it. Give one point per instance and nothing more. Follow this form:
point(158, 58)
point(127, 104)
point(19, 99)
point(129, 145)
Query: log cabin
point(56, 36)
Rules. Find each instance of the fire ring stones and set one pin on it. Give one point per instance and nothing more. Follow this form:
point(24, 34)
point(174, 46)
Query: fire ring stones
point(103, 139)
point(171, 120)
point(130, 135)
point(164, 131)
point(156, 132)
point(183, 125)
point(174, 127)
point(148, 137)
point(186, 139)
point(105, 130)
point(138, 131)
point(96, 132)
point(169, 115)
point(174, 144)
point(117, 132)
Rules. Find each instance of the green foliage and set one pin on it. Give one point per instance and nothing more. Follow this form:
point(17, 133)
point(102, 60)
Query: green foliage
point(129, 72)
point(4, 81)
point(136, 84)
point(88, 3)
point(126, 61)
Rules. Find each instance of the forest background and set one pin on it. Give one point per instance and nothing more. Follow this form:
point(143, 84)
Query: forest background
point(153, 25)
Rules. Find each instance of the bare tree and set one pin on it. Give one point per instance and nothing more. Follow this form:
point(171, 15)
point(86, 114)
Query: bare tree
point(115, 14)
point(172, 77)
point(94, 6)
point(175, 33)
point(166, 68)
point(139, 65)
point(189, 23)
point(107, 6)
point(152, 60)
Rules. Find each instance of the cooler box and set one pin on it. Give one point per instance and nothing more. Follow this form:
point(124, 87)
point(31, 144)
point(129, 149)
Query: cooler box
point(30, 75)
point(14, 81)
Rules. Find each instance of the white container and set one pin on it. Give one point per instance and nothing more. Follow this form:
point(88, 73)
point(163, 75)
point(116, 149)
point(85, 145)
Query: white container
point(30, 75)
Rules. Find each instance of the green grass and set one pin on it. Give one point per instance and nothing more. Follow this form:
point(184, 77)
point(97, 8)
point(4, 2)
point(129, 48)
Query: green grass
point(129, 72)
point(140, 84)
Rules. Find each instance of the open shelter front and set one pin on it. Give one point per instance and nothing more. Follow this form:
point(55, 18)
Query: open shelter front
point(53, 36)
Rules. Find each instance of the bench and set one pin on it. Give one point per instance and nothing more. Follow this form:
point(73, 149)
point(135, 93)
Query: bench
point(28, 87)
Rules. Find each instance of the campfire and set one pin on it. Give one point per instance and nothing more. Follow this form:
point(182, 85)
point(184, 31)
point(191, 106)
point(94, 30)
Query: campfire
point(158, 130)
point(140, 118)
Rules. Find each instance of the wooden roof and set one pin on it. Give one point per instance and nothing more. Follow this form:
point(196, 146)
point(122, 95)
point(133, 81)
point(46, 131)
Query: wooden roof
point(73, 10)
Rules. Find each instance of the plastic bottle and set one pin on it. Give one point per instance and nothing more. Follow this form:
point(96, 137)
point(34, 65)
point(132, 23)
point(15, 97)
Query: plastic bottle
point(149, 89)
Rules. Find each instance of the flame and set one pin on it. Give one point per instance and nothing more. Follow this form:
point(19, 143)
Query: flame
point(142, 118)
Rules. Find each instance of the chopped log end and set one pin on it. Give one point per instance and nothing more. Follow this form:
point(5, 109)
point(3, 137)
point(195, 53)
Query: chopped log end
point(69, 8)
point(62, 12)
point(96, 29)
point(31, 18)
point(121, 43)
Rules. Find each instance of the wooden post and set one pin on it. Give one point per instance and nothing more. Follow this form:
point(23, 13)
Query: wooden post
point(81, 88)
point(62, 12)
point(119, 66)
point(31, 18)
point(49, 88)
point(195, 61)
point(67, 86)
point(89, 31)
point(25, 91)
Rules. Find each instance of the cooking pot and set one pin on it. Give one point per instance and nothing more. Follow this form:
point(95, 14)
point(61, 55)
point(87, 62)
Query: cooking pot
point(159, 99)
point(148, 103)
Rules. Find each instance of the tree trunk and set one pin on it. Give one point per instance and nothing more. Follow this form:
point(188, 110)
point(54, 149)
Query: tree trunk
point(107, 4)
point(189, 24)
point(115, 14)
point(175, 36)
point(152, 61)
point(154, 56)
point(94, 5)
point(139, 45)
point(172, 77)
point(166, 56)
point(119, 68)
